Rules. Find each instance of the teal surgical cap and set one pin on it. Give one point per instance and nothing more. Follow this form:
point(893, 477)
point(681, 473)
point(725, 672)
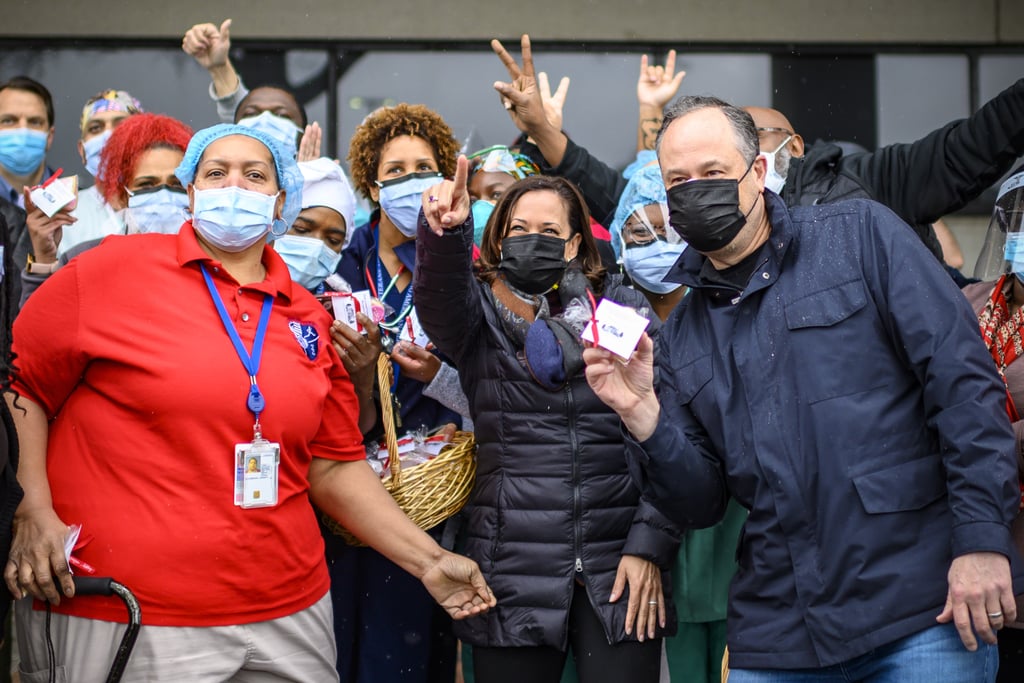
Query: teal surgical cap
point(289, 177)
point(644, 188)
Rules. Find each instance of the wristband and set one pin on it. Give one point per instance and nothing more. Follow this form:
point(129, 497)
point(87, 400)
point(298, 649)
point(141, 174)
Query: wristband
point(34, 268)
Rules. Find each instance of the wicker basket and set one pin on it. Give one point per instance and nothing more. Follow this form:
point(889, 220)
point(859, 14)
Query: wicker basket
point(429, 492)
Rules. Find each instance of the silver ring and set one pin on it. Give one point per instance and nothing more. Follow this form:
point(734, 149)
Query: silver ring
point(653, 603)
point(995, 615)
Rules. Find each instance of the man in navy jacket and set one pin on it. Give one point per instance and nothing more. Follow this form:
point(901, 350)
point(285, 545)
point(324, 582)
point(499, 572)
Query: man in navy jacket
point(826, 373)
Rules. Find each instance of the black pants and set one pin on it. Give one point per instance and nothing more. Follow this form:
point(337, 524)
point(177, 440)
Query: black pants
point(596, 660)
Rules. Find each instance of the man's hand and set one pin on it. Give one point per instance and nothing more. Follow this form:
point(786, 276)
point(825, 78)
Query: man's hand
point(980, 598)
point(208, 45)
point(446, 205)
point(657, 85)
point(626, 388)
point(44, 231)
point(37, 555)
point(456, 583)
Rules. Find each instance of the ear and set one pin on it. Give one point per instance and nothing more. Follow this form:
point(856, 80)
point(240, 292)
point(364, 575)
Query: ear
point(191, 190)
point(796, 145)
point(49, 138)
point(572, 246)
point(279, 206)
point(374, 192)
point(81, 151)
point(760, 171)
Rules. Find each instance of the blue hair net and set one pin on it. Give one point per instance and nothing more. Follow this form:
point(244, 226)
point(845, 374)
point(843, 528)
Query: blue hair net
point(289, 177)
point(645, 187)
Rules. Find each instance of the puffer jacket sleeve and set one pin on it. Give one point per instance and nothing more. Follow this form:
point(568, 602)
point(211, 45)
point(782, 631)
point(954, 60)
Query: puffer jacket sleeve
point(653, 536)
point(937, 175)
point(444, 288)
point(600, 184)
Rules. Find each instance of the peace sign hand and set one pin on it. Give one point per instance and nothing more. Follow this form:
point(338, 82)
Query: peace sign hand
point(446, 205)
point(521, 96)
point(658, 85)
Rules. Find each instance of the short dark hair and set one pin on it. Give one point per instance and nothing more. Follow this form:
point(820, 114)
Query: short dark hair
point(742, 123)
point(274, 86)
point(36, 88)
point(588, 256)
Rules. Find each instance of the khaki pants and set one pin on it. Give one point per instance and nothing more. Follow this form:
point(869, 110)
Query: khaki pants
point(299, 647)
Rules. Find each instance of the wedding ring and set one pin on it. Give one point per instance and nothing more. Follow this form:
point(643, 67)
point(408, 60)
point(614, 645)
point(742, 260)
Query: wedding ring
point(995, 615)
point(652, 603)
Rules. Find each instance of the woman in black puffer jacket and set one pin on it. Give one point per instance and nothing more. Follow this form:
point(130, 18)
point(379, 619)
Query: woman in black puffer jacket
point(573, 554)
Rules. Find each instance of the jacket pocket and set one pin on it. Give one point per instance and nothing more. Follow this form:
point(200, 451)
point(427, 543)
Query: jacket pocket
point(907, 486)
point(691, 378)
point(826, 307)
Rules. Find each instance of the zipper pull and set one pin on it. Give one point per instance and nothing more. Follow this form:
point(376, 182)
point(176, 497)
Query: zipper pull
point(579, 565)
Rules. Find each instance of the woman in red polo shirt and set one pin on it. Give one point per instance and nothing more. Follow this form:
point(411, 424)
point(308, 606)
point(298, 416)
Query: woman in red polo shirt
point(149, 371)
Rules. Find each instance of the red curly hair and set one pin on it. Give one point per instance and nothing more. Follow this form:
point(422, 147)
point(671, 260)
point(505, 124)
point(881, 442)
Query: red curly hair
point(388, 123)
point(137, 134)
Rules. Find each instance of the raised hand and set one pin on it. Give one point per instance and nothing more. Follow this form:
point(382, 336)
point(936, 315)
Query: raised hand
point(626, 388)
point(208, 44)
point(446, 205)
point(657, 85)
point(521, 97)
point(553, 104)
point(309, 145)
point(44, 231)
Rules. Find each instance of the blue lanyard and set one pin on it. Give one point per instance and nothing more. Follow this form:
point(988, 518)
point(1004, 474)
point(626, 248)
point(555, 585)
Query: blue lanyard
point(251, 363)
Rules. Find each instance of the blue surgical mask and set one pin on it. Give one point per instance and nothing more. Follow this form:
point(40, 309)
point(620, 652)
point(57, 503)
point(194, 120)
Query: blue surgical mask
point(93, 147)
point(161, 209)
point(22, 150)
point(309, 260)
point(482, 210)
point(231, 218)
point(283, 130)
point(646, 265)
point(1015, 251)
point(401, 199)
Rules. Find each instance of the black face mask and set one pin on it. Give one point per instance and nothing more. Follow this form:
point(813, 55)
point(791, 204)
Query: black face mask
point(706, 213)
point(533, 263)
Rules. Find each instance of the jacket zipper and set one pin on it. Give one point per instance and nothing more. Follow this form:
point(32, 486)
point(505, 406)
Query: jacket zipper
point(577, 536)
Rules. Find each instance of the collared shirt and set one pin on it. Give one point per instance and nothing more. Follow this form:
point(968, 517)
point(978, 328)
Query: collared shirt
point(124, 350)
point(846, 399)
point(14, 194)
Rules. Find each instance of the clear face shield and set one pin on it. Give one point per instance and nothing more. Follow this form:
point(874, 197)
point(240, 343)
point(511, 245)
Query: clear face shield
point(646, 225)
point(1003, 250)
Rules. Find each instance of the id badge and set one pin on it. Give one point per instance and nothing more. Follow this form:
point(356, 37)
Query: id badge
point(256, 467)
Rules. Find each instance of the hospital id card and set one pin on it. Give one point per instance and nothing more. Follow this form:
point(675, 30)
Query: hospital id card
point(256, 473)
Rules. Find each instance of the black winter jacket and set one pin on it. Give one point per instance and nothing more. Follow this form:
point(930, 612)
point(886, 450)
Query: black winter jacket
point(921, 181)
point(553, 500)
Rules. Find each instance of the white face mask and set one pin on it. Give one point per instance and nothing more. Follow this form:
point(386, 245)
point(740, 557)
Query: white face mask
point(776, 179)
point(160, 209)
point(309, 260)
point(283, 130)
point(231, 218)
point(93, 147)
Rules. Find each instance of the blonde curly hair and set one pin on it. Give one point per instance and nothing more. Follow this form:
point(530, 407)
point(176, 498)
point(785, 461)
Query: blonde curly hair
point(387, 123)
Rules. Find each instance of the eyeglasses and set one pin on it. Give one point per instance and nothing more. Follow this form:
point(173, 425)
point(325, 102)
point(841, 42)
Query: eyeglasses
point(772, 129)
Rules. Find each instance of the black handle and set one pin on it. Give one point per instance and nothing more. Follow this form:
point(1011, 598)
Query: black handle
point(93, 585)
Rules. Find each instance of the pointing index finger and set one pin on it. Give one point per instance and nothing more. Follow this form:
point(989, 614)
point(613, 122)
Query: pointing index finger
point(461, 178)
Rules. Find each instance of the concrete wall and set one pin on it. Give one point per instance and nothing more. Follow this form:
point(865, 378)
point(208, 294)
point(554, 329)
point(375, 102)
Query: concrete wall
point(757, 21)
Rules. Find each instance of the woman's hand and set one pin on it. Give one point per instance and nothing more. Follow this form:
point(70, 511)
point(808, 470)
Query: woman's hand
point(521, 97)
point(554, 104)
point(309, 145)
point(446, 205)
point(416, 362)
point(646, 607)
point(657, 85)
point(358, 351)
point(456, 583)
point(45, 231)
point(37, 555)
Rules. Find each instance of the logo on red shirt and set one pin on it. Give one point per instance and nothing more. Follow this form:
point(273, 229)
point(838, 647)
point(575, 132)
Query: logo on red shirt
point(307, 336)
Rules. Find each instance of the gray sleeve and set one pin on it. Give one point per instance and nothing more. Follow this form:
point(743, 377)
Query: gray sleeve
point(227, 105)
point(446, 390)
